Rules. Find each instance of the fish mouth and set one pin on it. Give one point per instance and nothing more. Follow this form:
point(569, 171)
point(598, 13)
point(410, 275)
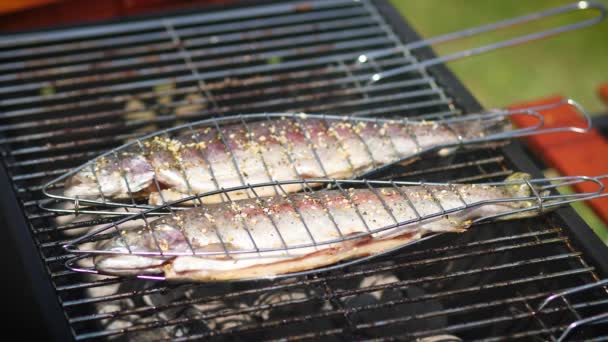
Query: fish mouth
point(75, 186)
point(130, 265)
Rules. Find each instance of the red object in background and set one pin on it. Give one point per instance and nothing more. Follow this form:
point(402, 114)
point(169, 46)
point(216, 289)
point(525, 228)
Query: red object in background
point(569, 153)
point(603, 92)
point(43, 14)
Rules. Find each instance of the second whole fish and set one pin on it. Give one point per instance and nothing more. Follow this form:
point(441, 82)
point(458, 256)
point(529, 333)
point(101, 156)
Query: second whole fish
point(266, 231)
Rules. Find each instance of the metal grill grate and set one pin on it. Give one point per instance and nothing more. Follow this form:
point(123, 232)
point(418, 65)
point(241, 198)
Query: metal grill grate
point(68, 96)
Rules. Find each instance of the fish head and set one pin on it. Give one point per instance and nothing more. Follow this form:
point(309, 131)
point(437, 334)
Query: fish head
point(142, 250)
point(110, 177)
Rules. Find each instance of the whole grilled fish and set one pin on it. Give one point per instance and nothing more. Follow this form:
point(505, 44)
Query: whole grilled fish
point(267, 226)
point(166, 169)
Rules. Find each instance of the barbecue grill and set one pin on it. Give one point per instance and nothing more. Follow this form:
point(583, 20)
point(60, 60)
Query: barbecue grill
point(70, 95)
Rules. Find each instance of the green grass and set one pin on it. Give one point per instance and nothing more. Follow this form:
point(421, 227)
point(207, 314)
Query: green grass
point(572, 64)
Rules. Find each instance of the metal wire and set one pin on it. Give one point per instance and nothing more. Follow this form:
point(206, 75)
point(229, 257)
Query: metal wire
point(577, 6)
point(419, 215)
point(303, 124)
point(403, 285)
point(580, 322)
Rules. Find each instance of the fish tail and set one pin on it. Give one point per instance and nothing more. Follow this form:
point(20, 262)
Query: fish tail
point(480, 129)
point(483, 127)
point(521, 191)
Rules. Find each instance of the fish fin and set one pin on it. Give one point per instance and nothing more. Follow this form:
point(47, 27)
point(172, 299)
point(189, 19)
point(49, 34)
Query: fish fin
point(409, 161)
point(519, 215)
point(446, 151)
point(452, 226)
point(460, 227)
point(168, 196)
point(287, 264)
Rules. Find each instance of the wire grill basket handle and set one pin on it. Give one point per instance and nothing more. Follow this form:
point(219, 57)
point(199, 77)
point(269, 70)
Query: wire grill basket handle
point(601, 318)
point(578, 6)
point(536, 129)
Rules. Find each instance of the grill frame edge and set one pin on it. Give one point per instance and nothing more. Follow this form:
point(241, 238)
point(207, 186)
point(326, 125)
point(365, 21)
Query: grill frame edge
point(37, 302)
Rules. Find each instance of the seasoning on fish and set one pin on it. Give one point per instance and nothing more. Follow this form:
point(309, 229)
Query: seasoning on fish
point(284, 149)
point(269, 225)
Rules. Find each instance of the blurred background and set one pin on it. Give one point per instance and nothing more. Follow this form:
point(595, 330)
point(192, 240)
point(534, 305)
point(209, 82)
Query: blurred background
point(573, 64)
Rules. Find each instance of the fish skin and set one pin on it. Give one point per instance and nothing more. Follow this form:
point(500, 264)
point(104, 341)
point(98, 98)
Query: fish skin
point(200, 161)
point(104, 179)
point(301, 219)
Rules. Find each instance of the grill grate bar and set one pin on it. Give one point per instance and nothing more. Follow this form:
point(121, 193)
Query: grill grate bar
point(548, 332)
point(83, 301)
point(281, 11)
point(175, 57)
point(493, 321)
point(212, 65)
point(50, 160)
point(331, 94)
point(371, 307)
point(433, 296)
point(265, 81)
point(66, 145)
point(89, 284)
point(74, 225)
point(41, 174)
point(481, 323)
point(327, 314)
point(283, 48)
point(456, 310)
point(483, 176)
point(130, 27)
point(152, 44)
